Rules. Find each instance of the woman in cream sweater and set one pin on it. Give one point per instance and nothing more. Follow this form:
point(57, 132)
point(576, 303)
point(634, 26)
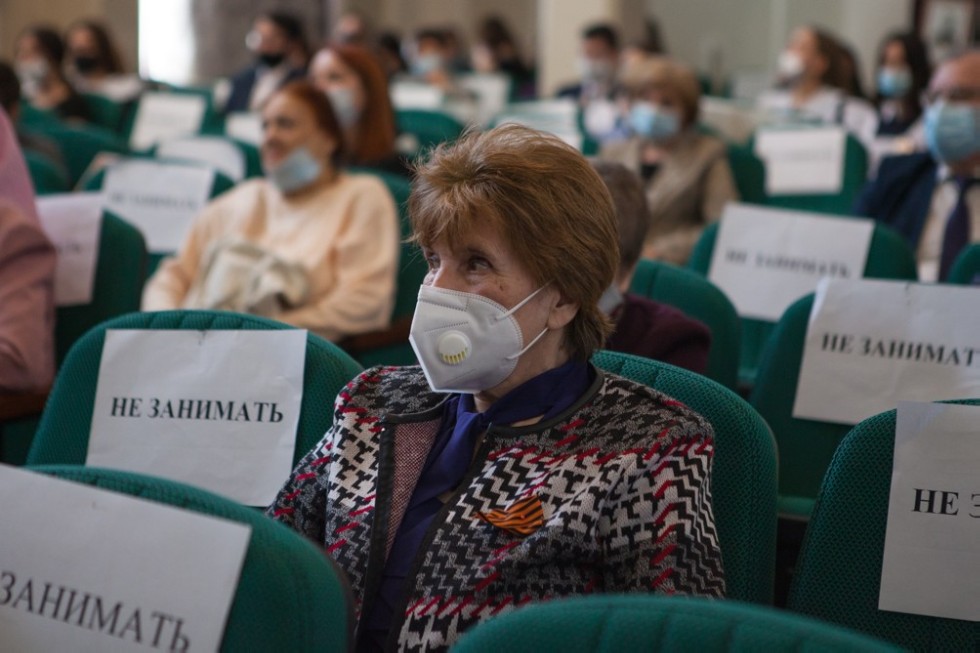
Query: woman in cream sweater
point(309, 244)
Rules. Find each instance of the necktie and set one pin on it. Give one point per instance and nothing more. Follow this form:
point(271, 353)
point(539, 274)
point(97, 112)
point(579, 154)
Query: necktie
point(957, 233)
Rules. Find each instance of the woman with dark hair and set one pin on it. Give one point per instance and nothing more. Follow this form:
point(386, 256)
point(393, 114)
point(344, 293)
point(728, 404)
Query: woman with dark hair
point(497, 51)
point(94, 64)
point(903, 74)
point(39, 54)
point(308, 244)
point(814, 85)
point(352, 79)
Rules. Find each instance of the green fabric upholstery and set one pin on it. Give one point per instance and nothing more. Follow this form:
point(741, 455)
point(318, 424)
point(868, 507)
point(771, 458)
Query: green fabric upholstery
point(118, 285)
point(743, 484)
point(669, 624)
point(805, 446)
point(33, 119)
point(80, 145)
point(838, 576)
point(412, 269)
point(48, 178)
point(966, 267)
point(105, 113)
point(889, 257)
point(749, 172)
point(62, 437)
point(702, 300)
point(290, 596)
point(854, 177)
point(429, 127)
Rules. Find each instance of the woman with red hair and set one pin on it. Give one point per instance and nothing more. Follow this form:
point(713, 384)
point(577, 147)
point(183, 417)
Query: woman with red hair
point(308, 244)
point(354, 82)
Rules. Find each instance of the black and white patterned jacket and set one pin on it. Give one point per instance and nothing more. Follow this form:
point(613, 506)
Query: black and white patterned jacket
point(623, 477)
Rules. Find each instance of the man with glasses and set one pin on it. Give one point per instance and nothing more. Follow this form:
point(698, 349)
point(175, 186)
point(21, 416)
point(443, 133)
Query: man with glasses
point(932, 198)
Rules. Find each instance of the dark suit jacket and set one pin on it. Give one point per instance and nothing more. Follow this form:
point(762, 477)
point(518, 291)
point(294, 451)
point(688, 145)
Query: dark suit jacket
point(901, 194)
point(243, 82)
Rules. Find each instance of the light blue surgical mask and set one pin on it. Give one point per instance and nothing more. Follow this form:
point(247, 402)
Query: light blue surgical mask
point(426, 63)
point(342, 101)
point(296, 171)
point(953, 130)
point(651, 121)
point(894, 82)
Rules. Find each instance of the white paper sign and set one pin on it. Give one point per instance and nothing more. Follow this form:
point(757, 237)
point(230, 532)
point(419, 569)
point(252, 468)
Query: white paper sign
point(162, 116)
point(85, 569)
point(765, 259)
point(932, 542)
point(216, 409)
point(73, 223)
point(161, 199)
point(871, 344)
point(802, 161)
point(219, 153)
point(245, 127)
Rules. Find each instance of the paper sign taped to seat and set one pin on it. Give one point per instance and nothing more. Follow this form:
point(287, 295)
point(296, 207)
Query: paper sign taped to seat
point(162, 116)
point(765, 259)
point(85, 569)
point(215, 409)
point(161, 199)
point(932, 549)
point(802, 161)
point(871, 344)
point(73, 223)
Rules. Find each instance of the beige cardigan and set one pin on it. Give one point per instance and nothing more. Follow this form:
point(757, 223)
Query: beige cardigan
point(688, 192)
point(345, 236)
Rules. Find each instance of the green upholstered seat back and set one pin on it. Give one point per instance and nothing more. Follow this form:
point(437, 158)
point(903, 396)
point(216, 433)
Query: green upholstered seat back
point(838, 575)
point(610, 624)
point(290, 596)
point(62, 437)
point(700, 299)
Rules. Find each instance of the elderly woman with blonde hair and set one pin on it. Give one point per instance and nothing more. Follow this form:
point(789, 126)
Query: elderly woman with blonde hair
point(686, 174)
point(506, 468)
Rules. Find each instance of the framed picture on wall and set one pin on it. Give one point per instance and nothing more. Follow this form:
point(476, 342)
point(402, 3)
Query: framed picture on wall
point(946, 26)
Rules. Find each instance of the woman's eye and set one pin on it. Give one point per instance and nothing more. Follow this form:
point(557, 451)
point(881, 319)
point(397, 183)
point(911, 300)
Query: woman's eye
point(432, 261)
point(478, 263)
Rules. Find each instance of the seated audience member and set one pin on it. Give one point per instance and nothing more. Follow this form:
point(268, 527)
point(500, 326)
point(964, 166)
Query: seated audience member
point(27, 263)
point(432, 59)
point(358, 91)
point(686, 174)
point(308, 244)
point(903, 75)
point(933, 198)
point(642, 326)
point(353, 28)
point(389, 49)
point(599, 62)
point(94, 64)
point(814, 86)
point(278, 43)
point(38, 59)
point(11, 101)
point(497, 51)
point(507, 468)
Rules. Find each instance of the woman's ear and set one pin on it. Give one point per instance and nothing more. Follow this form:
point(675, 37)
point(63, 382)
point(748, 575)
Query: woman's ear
point(562, 312)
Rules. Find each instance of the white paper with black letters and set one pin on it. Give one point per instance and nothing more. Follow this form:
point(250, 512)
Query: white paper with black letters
point(872, 343)
point(136, 575)
point(765, 259)
point(216, 409)
point(73, 223)
point(161, 199)
point(802, 161)
point(932, 547)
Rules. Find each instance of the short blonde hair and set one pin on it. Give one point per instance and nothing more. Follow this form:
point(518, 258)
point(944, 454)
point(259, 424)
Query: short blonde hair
point(547, 202)
point(665, 73)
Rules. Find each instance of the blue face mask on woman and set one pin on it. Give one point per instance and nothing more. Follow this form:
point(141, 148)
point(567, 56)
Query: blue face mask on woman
point(894, 82)
point(651, 121)
point(953, 130)
point(296, 171)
